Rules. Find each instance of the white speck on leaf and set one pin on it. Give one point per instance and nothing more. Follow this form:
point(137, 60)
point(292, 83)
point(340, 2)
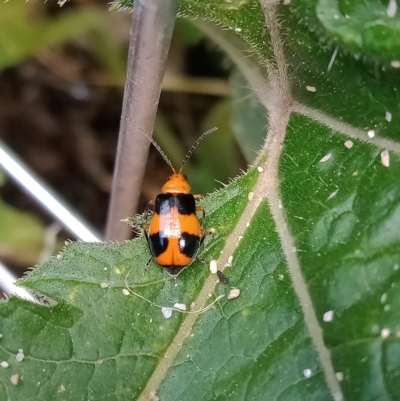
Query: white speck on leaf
point(385, 333)
point(386, 308)
point(14, 379)
point(4, 364)
point(384, 297)
point(213, 266)
point(153, 396)
point(391, 10)
point(371, 133)
point(396, 267)
point(395, 63)
point(250, 196)
point(238, 29)
point(61, 389)
point(125, 291)
point(385, 158)
point(388, 117)
point(339, 376)
point(311, 88)
point(167, 312)
point(180, 306)
point(233, 293)
point(328, 316)
point(260, 169)
point(20, 357)
point(348, 144)
point(104, 285)
point(326, 158)
point(333, 194)
point(307, 373)
point(333, 58)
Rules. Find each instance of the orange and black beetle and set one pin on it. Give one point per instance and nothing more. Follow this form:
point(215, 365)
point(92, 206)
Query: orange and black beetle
point(175, 233)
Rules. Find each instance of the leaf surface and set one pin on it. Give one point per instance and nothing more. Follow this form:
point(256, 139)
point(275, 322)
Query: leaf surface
point(310, 236)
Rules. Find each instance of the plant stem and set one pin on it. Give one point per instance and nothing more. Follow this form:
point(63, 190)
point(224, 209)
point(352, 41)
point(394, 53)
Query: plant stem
point(150, 37)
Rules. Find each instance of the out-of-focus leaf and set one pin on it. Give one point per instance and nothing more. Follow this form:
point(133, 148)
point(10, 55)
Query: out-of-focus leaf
point(249, 117)
point(22, 35)
point(21, 236)
point(188, 32)
point(216, 160)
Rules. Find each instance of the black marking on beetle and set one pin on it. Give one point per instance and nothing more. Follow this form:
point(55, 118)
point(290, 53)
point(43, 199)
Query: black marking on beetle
point(162, 204)
point(189, 244)
point(185, 203)
point(158, 243)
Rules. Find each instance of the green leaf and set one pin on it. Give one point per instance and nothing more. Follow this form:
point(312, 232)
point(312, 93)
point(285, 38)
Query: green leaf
point(309, 236)
point(22, 35)
point(249, 118)
point(21, 235)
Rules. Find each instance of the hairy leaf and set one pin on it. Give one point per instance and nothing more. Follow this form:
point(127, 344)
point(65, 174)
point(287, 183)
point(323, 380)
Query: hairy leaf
point(309, 236)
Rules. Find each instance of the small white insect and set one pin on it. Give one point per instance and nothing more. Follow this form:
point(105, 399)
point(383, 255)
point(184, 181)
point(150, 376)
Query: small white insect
point(385, 158)
point(328, 316)
point(20, 357)
point(233, 293)
point(14, 379)
point(213, 266)
point(167, 312)
point(326, 158)
point(339, 376)
point(180, 306)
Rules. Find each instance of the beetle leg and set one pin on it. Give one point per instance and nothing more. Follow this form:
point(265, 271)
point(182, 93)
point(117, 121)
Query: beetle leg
point(150, 206)
point(148, 263)
point(203, 218)
point(145, 230)
point(197, 197)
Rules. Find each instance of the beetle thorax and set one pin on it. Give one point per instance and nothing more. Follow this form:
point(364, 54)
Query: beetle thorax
point(176, 184)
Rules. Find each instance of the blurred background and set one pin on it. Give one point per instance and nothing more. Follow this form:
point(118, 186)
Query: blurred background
point(62, 71)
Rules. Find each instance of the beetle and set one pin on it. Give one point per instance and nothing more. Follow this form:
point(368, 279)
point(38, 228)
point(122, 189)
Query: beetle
point(175, 232)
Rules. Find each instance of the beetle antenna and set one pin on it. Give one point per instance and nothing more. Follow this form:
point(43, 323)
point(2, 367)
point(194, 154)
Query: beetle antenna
point(157, 146)
point(195, 146)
